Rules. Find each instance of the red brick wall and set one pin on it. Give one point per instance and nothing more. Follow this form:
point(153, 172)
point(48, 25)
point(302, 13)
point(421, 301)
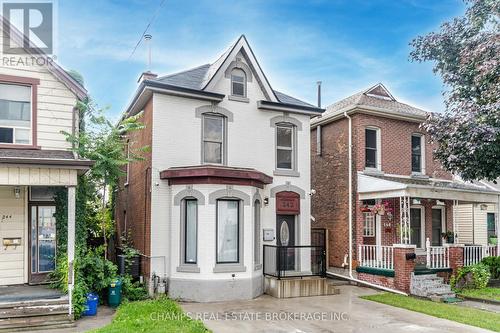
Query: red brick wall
point(403, 268)
point(133, 201)
point(383, 281)
point(329, 179)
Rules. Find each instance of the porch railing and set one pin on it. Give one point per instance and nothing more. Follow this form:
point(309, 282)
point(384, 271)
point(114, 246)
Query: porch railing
point(376, 256)
point(473, 254)
point(437, 256)
point(294, 261)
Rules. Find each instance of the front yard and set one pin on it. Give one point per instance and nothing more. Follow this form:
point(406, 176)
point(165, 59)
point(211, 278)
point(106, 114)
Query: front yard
point(469, 316)
point(489, 293)
point(157, 316)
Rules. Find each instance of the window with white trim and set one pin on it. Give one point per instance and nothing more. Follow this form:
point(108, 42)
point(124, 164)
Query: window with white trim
point(285, 146)
point(213, 138)
point(372, 149)
point(238, 83)
point(369, 225)
point(15, 114)
point(417, 153)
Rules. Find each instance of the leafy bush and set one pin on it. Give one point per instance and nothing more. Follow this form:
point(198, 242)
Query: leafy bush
point(471, 277)
point(133, 291)
point(93, 273)
point(494, 264)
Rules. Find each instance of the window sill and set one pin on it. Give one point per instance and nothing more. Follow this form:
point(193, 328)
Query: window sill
point(238, 99)
point(419, 175)
point(289, 173)
point(229, 268)
point(18, 146)
point(373, 171)
point(257, 267)
point(188, 268)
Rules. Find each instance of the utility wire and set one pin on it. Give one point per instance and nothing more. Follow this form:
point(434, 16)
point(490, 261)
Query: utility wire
point(151, 21)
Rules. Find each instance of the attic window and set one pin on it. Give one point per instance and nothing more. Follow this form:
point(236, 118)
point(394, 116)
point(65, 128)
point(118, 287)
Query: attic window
point(238, 83)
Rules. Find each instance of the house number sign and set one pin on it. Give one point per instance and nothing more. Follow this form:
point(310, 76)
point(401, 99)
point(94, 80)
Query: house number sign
point(5, 218)
point(287, 203)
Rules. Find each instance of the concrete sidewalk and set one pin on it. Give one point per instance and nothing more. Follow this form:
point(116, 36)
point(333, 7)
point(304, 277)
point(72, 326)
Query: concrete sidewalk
point(337, 313)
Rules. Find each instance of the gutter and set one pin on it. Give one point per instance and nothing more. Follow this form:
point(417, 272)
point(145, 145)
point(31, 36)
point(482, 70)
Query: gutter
point(273, 106)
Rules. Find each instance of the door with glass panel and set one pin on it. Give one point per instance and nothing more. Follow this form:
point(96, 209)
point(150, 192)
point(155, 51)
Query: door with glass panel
point(42, 242)
point(285, 232)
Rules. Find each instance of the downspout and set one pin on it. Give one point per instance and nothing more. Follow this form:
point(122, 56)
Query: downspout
point(350, 193)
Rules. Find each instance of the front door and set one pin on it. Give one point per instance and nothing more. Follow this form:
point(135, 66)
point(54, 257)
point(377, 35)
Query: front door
point(285, 230)
point(42, 253)
point(437, 226)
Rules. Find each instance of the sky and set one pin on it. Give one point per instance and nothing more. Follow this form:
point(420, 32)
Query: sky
point(348, 45)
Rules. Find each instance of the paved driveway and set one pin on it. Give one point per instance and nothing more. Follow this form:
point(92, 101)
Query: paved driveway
point(337, 313)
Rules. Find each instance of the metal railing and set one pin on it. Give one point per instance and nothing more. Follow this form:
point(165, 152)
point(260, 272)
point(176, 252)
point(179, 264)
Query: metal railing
point(294, 261)
point(437, 256)
point(376, 256)
point(473, 254)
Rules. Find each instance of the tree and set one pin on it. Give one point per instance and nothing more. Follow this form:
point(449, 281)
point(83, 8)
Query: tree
point(106, 144)
point(466, 53)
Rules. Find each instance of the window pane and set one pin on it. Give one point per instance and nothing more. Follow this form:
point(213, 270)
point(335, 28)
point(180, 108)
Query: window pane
point(238, 78)
point(238, 89)
point(6, 135)
point(416, 144)
point(46, 239)
point(227, 231)
point(284, 136)
point(190, 231)
point(371, 138)
point(212, 129)
point(212, 152)
point(371, 158)
point(415, 227)
point(15, 105)
point(34, 257)
point(416, 163)
point(256, 250)
point(284, 159)
point(416, 153)
point(22, 136)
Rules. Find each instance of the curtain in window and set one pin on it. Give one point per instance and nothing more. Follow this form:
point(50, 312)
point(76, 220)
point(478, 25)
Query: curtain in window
point(227, 231)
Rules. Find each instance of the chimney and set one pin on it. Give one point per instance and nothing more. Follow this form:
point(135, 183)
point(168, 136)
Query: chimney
point(319, 93)
point(147, 76)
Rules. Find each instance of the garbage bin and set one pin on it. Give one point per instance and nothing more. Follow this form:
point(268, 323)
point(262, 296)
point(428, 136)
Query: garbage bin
point(115, 293)
point(91, 305)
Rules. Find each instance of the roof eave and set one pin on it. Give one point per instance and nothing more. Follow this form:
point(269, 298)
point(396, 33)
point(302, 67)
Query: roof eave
point(273, 106)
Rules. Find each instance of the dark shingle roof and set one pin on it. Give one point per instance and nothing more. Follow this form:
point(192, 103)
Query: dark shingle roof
point(195, 77)
point(37, 153)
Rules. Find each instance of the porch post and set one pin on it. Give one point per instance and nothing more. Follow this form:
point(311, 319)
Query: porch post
point(404, 216)
point(454, 212)
point(71, 244)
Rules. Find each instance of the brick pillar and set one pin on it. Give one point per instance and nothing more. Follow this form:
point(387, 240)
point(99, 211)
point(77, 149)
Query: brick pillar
point(456, 255)
point(403, 267)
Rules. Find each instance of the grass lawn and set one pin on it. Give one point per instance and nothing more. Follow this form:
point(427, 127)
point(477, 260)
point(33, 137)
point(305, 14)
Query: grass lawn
point(469, 316)
point(485, 293)
point(158, 315)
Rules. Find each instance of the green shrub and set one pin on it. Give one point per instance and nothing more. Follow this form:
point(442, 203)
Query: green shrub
point(471, 277)
point(133, 291)
point(494, 264)
point(93, 273)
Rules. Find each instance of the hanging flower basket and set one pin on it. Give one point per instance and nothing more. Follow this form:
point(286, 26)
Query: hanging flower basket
point(365, 209)
point(382, 208)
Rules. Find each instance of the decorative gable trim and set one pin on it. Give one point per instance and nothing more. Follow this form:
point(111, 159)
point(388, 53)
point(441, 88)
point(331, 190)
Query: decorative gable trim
point(379, 91)
point(241, 65)
point(241, 46)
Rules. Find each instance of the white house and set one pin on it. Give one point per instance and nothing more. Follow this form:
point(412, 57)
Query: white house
point(228, 172)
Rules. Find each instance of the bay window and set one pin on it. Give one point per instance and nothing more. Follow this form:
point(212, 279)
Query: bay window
point(15, 114)
point(228, 231)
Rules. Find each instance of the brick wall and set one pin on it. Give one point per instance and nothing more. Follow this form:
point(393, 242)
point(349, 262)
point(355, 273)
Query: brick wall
point(329, 179)
point(403, 268)
point(383, 281)
point(133, 201)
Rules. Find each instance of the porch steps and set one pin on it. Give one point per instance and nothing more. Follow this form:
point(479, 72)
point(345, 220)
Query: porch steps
point(430, 286)
point(35, 314)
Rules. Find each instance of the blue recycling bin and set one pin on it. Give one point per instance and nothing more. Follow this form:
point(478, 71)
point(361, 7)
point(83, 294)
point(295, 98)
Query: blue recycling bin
point(91, 305)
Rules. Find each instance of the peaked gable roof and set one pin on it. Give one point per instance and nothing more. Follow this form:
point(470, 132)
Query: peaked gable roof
point(63, 76)
point(202, 79)
point(377, 99)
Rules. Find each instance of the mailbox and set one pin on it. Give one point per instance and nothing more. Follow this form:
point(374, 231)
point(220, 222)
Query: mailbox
point(268, 234)
point(14, 241)
point(411, 256)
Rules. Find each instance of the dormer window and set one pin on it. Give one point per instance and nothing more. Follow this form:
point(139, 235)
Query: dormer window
point(238, 83)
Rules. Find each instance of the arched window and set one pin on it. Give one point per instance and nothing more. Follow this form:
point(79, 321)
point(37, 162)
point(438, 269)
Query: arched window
point(238, 83)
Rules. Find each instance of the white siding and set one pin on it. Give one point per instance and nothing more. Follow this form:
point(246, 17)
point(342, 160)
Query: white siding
point(37, 176)
point(12, 263)
point(55, 103)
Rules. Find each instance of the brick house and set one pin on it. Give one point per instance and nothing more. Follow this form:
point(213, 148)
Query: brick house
point(393, 173)
point(228, 172)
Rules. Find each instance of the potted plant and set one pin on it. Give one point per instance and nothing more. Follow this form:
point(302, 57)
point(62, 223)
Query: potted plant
point(448, 236)
point(365, 209)
point(493, 240)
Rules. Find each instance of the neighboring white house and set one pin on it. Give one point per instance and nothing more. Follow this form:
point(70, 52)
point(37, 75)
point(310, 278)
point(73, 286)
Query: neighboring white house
point(229, 161)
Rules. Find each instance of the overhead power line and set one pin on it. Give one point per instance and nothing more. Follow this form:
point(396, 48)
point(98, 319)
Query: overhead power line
point(151, 21)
